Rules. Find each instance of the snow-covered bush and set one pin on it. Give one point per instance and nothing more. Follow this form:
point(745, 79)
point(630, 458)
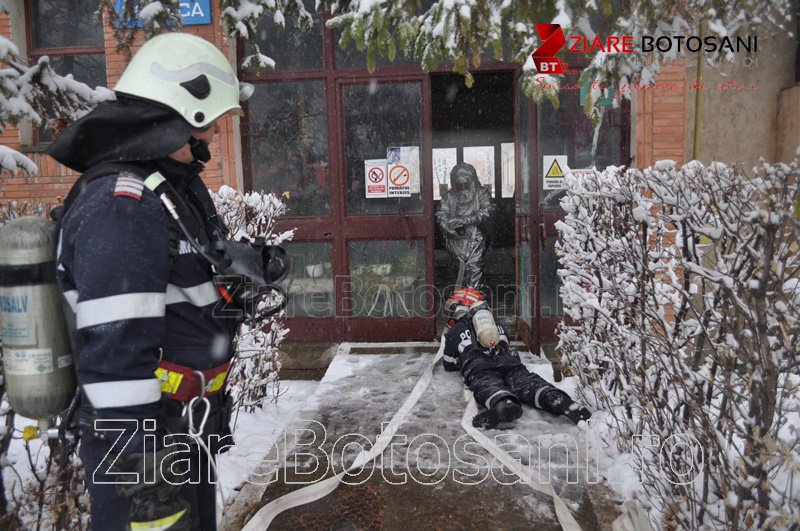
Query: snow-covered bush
point(15, 209)
point(253, 377)
point(682, 288)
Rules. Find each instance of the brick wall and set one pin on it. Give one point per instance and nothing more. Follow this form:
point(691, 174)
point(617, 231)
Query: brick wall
point(54, 180)
point(661, 125)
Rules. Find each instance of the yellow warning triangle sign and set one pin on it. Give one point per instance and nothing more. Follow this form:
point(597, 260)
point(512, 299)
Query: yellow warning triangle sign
point(555, 170)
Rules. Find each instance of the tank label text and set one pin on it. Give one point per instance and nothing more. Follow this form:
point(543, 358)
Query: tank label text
point(14, 303)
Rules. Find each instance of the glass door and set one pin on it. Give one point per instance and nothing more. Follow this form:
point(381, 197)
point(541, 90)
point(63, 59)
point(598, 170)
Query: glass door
point(553, 141)
point(386, 245)
point(525, 231)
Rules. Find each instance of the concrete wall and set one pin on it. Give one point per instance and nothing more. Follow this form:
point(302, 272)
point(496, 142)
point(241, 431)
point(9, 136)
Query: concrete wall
point(740, 101)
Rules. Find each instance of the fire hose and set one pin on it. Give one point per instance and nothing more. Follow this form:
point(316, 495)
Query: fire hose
point(264, 517)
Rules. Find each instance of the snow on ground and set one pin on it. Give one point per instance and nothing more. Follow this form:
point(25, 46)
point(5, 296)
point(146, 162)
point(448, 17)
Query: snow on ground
point(256, 433)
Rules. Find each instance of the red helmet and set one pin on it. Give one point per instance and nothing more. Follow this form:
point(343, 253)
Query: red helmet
point(465, 297)
point(459, 303)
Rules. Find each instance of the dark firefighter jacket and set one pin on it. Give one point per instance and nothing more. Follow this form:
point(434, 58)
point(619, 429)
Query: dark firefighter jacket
point(136, 297)
point(460, 345)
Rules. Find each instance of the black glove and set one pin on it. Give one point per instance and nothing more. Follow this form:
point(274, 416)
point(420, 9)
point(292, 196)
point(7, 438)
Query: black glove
point(156, 505)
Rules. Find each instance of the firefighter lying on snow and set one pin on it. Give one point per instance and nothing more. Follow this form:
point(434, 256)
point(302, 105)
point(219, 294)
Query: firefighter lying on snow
point(479, 348)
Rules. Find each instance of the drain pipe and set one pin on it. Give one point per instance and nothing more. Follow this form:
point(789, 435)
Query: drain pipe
point(701, 59)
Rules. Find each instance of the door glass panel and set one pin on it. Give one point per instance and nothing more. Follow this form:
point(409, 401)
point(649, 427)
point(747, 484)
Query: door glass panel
point(507, 167)
point(550, 301)
point(568, 131)
point(443, 161)
point(525, 283)
point(377, 117)
point(524, 167)
point(309, 285)
point(289, 145)
point(388, 278)
point(291, 47)
point(482, 158)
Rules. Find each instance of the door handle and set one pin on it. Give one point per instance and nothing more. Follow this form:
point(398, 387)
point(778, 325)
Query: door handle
point(406, 227)
point(543, 235)
point(522, 229)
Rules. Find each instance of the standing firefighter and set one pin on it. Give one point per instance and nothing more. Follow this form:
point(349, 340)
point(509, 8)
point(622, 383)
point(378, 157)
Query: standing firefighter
point(464, 208)
point(479, 348)
point(140, 243)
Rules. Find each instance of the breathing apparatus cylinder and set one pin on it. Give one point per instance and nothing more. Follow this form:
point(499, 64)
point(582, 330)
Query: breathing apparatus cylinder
point(483, 323)
point(37, 363)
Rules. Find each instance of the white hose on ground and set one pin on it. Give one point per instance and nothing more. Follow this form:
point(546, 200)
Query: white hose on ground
point(262, 519)
point(531, 477)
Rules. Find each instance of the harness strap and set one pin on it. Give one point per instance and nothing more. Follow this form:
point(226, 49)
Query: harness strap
point(183, 383)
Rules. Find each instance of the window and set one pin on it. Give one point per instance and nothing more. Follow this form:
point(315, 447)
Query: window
point(70, 33)
point(378, 117)
point(289, 145)
point(292, 47)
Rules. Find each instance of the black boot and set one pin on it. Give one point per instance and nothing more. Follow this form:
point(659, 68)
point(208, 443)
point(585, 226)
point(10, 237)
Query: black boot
point(560, 403)
point(504, 410)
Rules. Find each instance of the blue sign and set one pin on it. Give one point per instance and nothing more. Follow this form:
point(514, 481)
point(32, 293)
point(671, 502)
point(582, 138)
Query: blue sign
point(193, 13)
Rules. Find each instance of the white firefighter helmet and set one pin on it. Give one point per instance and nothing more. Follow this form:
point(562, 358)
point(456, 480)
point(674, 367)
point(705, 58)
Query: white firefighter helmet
point(186, 73)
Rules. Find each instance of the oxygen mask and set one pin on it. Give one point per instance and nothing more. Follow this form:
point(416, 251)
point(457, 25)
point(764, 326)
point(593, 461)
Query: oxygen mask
point(248, 273)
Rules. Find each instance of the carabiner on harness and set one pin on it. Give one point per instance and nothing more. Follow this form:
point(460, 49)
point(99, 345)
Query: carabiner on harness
point(193, 403)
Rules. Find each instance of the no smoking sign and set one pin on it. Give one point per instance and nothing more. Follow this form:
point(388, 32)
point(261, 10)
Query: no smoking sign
point(375, 175)
point(375, 184)
point(399, 175)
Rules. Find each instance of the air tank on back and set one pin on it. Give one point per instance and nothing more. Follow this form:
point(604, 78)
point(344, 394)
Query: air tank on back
point(37, 363)
point(485, 327)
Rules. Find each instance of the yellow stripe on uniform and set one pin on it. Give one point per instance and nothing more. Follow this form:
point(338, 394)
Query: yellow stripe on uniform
point(161, 524)
point(170, 381)
point(216, 383)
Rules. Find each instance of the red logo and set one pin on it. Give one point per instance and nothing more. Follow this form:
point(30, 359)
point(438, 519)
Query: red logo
point(552, 41)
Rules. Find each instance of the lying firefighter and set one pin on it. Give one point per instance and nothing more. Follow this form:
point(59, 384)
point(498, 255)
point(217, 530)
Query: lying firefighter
point(479, 348)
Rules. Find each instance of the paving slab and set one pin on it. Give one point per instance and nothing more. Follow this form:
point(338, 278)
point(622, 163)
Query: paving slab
point(433, 475)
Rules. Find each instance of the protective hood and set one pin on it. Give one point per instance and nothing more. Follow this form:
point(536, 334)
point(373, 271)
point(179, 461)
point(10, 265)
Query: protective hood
point(464, 178)
point(125, 130)
point(465, 184)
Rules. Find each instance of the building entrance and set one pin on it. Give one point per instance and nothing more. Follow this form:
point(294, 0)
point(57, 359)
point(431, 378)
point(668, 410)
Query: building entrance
point(476, 125)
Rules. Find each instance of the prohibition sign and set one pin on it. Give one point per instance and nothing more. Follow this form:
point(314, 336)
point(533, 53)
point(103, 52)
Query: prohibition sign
point(399, 175)
point(375, 175)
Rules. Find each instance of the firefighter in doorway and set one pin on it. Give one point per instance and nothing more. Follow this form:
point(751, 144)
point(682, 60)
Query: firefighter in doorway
point(479, 348)
point(463, 210)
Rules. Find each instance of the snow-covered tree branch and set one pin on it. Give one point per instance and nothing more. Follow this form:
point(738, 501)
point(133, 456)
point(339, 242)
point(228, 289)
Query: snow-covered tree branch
point(35, 93)
point(461, 32)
